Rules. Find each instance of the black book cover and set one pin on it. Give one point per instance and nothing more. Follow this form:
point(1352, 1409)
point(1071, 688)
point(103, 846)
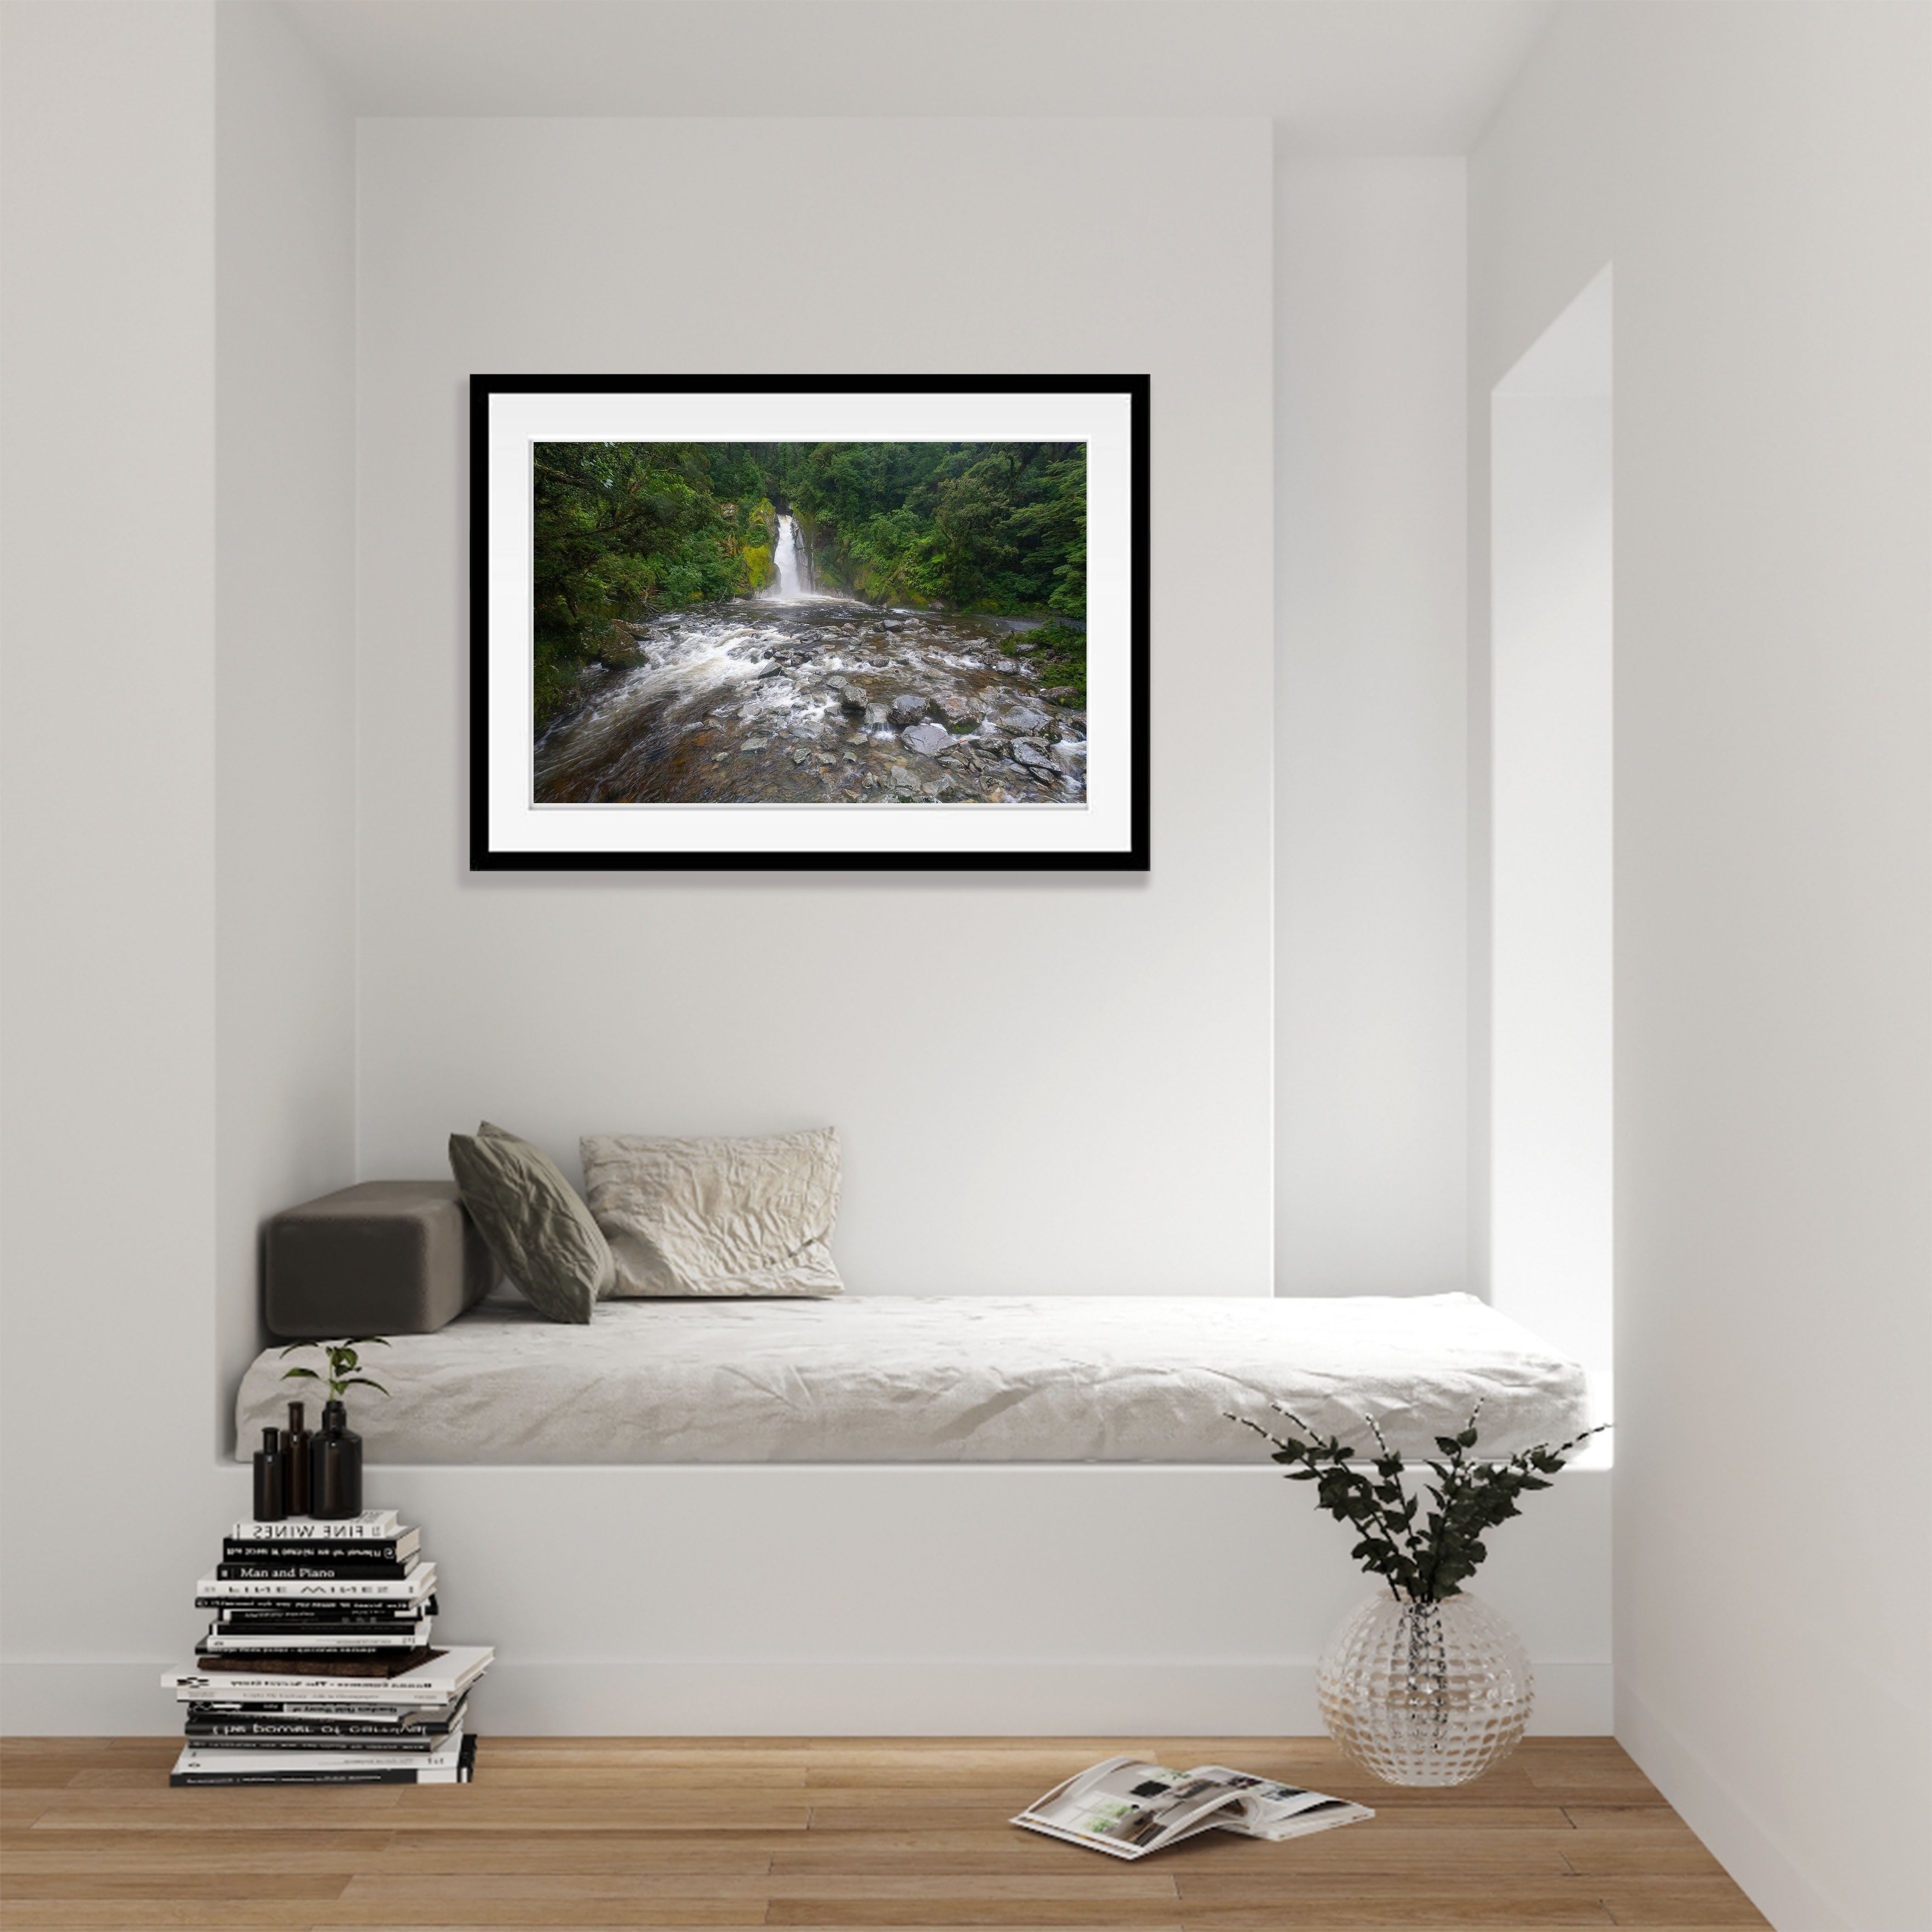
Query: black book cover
point(280, 1663)
point(294, 1611)
point(296, 1628)
point(224, 1730)
point(304, 1717)
point(350, 1652)
point(309, 1740)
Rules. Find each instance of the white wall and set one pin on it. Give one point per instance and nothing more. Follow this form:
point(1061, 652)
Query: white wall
point(1762, 179)
point(952, 1600)
point(1551, 1182)
point(1372, 1172)
point(179, 377)
point(285, 718)
point(1042, 1083)
point(107, 382)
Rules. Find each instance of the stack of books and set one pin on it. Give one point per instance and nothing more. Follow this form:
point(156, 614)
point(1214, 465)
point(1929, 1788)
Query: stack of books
point(317, 1668)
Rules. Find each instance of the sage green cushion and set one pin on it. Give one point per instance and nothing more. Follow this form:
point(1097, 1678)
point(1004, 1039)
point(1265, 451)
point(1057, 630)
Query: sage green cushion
point(538, 1229)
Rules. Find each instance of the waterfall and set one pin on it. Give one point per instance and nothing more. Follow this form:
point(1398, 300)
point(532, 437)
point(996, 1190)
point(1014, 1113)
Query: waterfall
point(790, 567)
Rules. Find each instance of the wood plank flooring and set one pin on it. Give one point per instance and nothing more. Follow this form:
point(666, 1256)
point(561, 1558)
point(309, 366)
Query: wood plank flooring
point(618, 1832)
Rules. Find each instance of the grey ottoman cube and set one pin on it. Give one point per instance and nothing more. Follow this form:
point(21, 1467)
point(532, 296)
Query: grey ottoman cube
point(383, 1258)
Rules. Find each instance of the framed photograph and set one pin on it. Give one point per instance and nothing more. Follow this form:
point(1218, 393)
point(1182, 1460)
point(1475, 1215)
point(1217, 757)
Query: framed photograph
point(850, 622)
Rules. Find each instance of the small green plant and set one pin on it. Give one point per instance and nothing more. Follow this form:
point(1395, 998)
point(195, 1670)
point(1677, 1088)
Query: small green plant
point(343, 1364)
point(1427, 1562)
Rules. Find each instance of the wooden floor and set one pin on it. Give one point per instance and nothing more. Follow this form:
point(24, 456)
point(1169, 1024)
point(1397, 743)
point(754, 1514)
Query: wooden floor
point(662, 1832)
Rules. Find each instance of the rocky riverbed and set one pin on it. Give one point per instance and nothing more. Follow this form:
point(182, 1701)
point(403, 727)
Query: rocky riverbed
point(814, 700)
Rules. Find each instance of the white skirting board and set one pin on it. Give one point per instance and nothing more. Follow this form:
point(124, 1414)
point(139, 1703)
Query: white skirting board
point(648, 1697)
point(858, 1600)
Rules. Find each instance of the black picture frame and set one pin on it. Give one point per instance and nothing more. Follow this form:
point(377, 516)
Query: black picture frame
point(510, 830)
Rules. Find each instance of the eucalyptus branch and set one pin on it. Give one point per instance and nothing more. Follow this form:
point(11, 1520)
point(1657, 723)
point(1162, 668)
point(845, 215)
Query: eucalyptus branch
point(1470, 1497)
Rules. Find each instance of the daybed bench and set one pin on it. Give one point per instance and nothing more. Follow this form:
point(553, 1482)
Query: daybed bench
point(892, 1379)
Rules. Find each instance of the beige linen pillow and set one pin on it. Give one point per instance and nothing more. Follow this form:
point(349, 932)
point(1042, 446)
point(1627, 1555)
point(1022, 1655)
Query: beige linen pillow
point(542, 1234)
point(714, 1216)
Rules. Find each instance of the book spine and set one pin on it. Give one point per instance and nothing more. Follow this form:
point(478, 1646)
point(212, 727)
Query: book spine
point(301, 1721)
point(448, 1770)
point(320, 1528)
point(315, 1740)
point(375, 1550)
point(376, 1590)
point(375, 1774)
point(301, 1627)
point(327, 1571)
point(319, 1603)
point(286, 1644)
point(332, 1693)
point(323, 1612)
point(216, 1647)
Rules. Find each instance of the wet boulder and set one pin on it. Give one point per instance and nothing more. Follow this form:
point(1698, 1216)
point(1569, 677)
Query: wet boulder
point(909, 708)
point(926, 738)
point(1025, 720)
point(1035, 758)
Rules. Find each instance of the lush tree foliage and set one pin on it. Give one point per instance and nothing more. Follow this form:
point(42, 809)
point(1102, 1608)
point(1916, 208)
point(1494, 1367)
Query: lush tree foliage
point(623, 529)
point(978, 525)
point(1058, 653)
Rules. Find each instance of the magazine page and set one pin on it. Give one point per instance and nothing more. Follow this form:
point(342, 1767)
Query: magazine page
point(1128, 1807)
point(1277, 1811)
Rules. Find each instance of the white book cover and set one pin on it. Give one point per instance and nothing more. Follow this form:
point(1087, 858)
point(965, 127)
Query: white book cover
point(438, 1681)
point(197, 1757)
point(419, 1582)
point(391, 1717)
point(371, 1526)
point(228, 1640)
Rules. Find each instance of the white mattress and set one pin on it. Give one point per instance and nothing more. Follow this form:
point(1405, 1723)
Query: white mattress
point(892, 1378)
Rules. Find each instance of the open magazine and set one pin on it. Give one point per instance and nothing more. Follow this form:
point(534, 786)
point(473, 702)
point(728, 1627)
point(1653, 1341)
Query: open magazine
point(1130, 1807)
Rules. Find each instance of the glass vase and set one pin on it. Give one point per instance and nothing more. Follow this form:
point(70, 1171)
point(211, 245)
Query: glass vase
point(1425, 1693)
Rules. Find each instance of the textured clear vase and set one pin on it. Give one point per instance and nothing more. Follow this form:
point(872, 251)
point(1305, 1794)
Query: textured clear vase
point(1425, 1693)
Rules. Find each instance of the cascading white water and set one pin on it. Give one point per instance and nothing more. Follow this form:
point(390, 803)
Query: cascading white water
point(808, 698)
point(784, 559)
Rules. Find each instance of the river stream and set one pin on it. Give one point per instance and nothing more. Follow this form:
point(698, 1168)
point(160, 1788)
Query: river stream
point(796, 697)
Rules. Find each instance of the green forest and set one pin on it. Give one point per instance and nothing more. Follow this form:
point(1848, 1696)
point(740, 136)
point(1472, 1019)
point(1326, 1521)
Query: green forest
point(624, 530)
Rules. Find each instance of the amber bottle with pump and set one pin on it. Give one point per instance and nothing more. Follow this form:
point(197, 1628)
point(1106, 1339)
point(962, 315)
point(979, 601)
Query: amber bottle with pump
point(296, 1478)
point(270, 1503)
point(335, 1465)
